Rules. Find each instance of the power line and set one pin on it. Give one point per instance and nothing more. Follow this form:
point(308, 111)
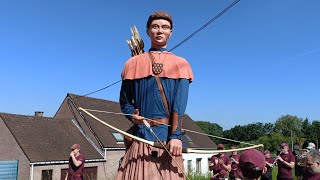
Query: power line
point(99, 89)
point(206, 24)
point(182, 42)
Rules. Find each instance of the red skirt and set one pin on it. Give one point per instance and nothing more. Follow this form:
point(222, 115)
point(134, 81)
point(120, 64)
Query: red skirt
point(144, 162)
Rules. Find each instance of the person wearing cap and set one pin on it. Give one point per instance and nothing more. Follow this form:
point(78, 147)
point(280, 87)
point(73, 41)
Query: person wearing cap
point(235, 173)
point(313, 166)
point(252, 164)
point(141, 97)
point(312, 151)
point(285, 162)
point(299, 167)
point(311, 147)
point(269, 165)
point(76, 164)
point(219, 163)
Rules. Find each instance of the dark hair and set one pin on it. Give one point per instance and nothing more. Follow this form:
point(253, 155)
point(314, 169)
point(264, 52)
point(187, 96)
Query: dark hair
point(250, 171)
point(159, 15)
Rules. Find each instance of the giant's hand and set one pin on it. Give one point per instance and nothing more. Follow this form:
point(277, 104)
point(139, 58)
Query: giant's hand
point(136, 118)
point(175, 146)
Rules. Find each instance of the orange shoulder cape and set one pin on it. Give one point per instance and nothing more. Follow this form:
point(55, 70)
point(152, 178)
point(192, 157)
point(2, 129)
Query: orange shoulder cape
point(174, 67)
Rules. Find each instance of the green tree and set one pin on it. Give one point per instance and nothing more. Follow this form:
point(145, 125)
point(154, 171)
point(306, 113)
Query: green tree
point(305, 127)
point(286, 124)
point(235, 133)
point(314, 135)
point(272, 141)
point(239, 133)
point(268, 128)
point(211, 128)
point(248, 133)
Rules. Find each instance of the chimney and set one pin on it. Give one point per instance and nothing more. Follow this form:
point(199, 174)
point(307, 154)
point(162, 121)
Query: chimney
point(38, 114)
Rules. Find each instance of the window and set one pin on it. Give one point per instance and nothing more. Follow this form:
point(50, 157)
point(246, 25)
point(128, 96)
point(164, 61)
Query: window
point(198, 165)
point(89, 173)
point(9, 169)
point(189, 166)
point(63, 173)
point(119, 137)
point(209, 160)
point(46, 174)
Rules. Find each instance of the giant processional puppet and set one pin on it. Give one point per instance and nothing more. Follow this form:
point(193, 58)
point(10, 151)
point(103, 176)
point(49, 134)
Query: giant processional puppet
point(136, 46)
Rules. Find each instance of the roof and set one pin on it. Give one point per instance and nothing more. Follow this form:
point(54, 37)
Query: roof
point(44, 139)
point(103, 132)
point(119, 121)
point(198, 140)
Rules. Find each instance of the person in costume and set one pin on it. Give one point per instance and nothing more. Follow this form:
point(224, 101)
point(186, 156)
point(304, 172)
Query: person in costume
point(269, 165)
point(299, 166)
point(140, 96)
point(76, 164)
point(252, 164)
point(285, 162)
point(235, 173)
point(219, 162)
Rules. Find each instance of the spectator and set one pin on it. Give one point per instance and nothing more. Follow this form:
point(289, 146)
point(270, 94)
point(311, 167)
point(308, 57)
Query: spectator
point(219, 163)
point(299, 166)
point(76, 164)
point(235, 173)
point(311, 147)
point(285, 162)
point(313, 165)
point(252, 164)
point(269, 165)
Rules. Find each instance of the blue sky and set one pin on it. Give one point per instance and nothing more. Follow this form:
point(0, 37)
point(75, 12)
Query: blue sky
point(257, 62)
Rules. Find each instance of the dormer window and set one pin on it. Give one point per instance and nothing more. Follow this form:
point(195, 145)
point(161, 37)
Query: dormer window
point(119, 137)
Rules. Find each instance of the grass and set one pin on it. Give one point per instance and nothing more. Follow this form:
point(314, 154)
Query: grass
point(206, 177)
point(199, 177)
point(275, 172)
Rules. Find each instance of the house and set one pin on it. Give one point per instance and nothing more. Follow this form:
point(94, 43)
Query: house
point(110, 141)
point(101, 136)
point(195, 162)
point(37, 147)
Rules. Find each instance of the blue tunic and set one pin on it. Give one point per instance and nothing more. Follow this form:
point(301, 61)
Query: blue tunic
point(144, 94)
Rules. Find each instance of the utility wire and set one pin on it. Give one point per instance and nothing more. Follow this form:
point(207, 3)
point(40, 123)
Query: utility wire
point(206, 24)
point(98, 90)
point(179, 44)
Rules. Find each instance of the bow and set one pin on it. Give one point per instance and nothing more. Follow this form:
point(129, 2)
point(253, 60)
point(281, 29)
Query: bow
point(164, 147)
point(158, 145)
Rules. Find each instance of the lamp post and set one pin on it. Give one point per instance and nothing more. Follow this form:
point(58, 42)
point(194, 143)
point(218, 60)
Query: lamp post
point(291, 140)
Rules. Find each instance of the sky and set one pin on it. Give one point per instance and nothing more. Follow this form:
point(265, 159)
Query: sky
point(256, 63)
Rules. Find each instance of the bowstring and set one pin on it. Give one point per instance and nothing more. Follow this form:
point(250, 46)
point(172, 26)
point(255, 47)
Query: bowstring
point(218, 137)
point(154, 134)
point(179, 44)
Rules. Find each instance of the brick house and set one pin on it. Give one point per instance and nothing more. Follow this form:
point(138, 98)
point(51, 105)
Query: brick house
point(109, 140)
point(106, 139)
point(36, 147)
